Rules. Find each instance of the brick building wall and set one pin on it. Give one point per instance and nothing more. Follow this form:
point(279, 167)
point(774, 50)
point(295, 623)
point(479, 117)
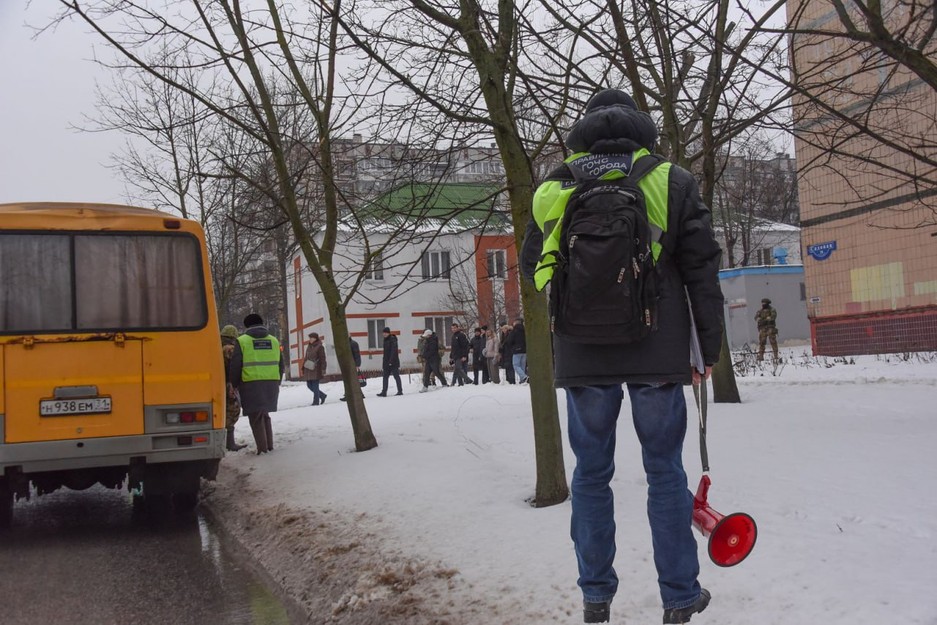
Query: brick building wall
point(869, 232)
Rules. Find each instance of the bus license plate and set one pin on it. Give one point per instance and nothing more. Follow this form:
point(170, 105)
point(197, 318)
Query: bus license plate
point(88, 405)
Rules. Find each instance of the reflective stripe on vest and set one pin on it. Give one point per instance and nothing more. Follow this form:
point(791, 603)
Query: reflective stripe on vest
point(552, 196)
point(261, 358)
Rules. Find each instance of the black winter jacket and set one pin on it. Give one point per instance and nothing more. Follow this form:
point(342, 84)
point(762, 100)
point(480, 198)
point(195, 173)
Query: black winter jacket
point(478, 346)
point(460, 346)
point(518, 339)
point(431, 348)
point(355, 351)
point(690, 258)
point(391, 357)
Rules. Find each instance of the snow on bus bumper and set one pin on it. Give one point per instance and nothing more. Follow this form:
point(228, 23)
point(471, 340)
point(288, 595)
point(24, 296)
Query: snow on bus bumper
point(115, 451)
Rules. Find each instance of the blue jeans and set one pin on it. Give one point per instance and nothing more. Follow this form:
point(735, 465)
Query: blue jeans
point(520, 367)
point(659, 414)
point(317, 395)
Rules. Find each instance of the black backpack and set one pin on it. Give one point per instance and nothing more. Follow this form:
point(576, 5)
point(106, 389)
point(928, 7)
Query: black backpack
point(604, 288)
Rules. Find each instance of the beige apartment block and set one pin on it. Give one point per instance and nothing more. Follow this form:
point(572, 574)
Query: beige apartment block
point(866, 141)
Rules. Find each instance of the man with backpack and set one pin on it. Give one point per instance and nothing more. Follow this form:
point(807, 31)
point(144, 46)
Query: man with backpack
point(622, 236)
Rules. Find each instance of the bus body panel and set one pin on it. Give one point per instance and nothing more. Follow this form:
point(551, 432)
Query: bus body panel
point(174, 377)
point(48, 371)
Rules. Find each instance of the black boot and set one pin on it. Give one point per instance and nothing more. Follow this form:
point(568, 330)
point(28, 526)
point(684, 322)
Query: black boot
point(675, 616)
point(596, 612)
point(230, 445)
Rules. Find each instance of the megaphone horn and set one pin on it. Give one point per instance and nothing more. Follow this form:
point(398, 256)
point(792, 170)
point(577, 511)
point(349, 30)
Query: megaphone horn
point(731, 538)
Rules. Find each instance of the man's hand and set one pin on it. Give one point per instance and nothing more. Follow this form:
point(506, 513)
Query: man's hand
point(697, 378)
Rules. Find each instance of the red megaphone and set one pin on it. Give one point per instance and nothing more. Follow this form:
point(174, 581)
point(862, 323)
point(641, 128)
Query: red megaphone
point(731, 538)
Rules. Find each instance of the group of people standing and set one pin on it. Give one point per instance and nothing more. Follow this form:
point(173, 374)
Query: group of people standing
point(488, 351)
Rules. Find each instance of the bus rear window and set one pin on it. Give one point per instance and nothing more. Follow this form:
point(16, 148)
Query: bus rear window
point(100, 282)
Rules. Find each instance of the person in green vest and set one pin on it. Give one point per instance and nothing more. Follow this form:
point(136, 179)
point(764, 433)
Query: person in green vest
point(767, 320)
point(256, 370)
point(613, 141)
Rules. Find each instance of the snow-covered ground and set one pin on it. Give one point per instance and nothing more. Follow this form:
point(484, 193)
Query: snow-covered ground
point(832, 459)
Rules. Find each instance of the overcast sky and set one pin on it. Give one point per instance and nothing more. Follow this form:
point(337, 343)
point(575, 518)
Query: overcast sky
point(46, 85)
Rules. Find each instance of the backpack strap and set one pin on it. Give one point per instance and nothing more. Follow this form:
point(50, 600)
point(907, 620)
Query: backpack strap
point(643, 166)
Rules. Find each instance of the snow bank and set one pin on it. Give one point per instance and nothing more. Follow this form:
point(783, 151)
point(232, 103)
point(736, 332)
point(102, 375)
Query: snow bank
point(831, 459)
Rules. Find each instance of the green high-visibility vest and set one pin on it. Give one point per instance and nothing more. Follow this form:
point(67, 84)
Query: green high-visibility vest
point(552, 196)
point(261, 358)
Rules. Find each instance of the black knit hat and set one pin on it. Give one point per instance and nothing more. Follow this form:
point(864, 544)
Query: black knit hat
point(608, 97)
point(252, 320)
point(386, 330)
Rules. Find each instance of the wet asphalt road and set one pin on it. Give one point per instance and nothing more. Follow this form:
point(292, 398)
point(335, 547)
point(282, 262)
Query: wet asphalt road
point(84, 557)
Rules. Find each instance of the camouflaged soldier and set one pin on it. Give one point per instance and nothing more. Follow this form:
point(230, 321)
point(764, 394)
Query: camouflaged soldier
point(767, 319)
point(229, 336)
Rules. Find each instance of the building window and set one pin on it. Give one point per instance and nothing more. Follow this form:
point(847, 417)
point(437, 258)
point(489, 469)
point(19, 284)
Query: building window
point(435, 265)
point(497, 264)
point(375, 271)
point(440, 325)
point(763, 256)
point(803, 292)
point(375, 336)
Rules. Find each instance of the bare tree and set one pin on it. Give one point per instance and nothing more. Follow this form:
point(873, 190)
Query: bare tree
point(462, 63)
point(755, 188)
point(865, 83)
point(228, 50)
point(175, 158)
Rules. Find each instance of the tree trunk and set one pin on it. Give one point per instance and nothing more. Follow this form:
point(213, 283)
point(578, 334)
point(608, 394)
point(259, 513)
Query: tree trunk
point(551, 486)
point(360, 424)
point(548, 437)
point(491, 65)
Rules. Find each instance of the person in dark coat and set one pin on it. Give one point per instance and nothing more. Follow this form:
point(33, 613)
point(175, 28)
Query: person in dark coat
point(479, 364)
point(256, 370)
point(314, 367)
point(610, 138)
point(458, 356)
point(391, 362)
point(356, 355)
point(519, 351)
point(431, 360)
point(506, 354)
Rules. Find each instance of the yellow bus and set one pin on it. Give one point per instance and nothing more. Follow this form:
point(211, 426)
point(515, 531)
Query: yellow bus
point(111, 368)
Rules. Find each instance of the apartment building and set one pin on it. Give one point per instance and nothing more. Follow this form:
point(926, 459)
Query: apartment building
point(865, 131)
